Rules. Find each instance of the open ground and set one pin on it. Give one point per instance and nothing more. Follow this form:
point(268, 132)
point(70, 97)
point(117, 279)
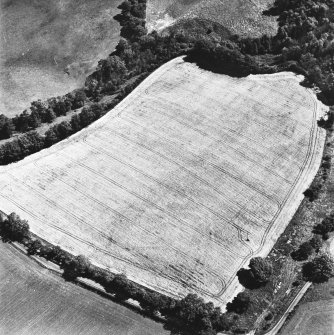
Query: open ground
point(34, 301)
point(315, 313)
point(39, 39)
point(242, 17)
point(314, 317)
point(182, 183)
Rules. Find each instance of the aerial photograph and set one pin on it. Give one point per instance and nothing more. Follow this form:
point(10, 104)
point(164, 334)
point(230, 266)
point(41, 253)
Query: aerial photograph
point(166, 167)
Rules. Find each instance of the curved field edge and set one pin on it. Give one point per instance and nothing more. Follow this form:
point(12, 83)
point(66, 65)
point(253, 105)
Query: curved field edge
point(312, 162)
point(296, 196)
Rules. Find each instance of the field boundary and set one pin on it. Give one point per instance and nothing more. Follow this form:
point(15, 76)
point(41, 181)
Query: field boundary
point(271, 231)
point(81, 282)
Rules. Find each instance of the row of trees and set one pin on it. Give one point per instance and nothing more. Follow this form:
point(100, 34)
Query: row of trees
point(41, 112)
point(191, 313)
point(32, 142)
point(135, 57)
point(307, 248)
point(139, 53)
point(132, 19)
point(313, 192)
point(321, 268)
point(226, 59)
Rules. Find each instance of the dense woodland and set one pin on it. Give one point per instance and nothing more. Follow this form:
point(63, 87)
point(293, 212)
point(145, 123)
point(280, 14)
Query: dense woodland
point(304, 43)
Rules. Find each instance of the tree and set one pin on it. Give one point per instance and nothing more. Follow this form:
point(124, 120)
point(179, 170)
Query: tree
point(21, 121)
point(34, 247)
point(50, 115)
point(221, 322)
point(15, 229)
point(319, 270)
point(304, 251)
point(29, 143)
point(195, 313)
point(34, 120)
point(79, 99)
point(87, 116)
point(123, 287)
point(39, 107)
point(261, 269)
point(10, 152)
point(325, 227)
point(111, 68)
point(239, 304)
point(153, 302)
point(63, 130)
point(6, 127)
point(316, 243)
point(76, 267)
point(125, 6)
point(75, 123)
point(56, 254)
point(60, 107)
point(51, 137)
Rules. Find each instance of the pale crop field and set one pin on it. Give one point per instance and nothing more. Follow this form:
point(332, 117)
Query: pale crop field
point(182, 183)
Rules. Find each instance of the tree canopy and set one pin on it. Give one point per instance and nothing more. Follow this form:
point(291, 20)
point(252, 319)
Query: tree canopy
point(319, 270)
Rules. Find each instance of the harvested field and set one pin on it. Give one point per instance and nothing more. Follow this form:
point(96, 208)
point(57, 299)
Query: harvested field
point(243, 17)
point(34, 301)
point(178, 186)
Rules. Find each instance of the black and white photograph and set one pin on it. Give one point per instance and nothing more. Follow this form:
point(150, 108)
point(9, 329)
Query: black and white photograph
point(166, 167)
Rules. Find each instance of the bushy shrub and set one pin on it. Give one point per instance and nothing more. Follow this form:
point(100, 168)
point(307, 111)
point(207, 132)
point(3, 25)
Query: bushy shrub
point(239, 304)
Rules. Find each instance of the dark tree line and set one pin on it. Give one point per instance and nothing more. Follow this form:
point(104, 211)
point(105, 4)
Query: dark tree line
point(313, 192)
point(304, 43)
point(41, 112)
point(32, 142)
point(191, 313)
point(133, 59)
